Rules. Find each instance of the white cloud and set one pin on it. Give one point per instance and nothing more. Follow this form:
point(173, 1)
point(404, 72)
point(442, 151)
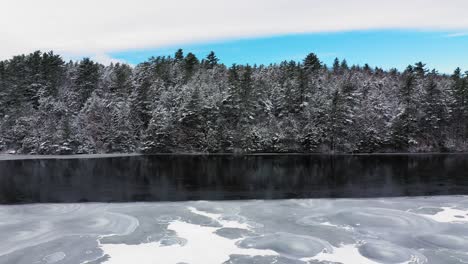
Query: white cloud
point(456, 35)
point(101, 26)
point(105, 59)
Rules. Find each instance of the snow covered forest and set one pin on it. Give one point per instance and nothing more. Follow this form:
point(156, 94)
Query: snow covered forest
point(182, 103)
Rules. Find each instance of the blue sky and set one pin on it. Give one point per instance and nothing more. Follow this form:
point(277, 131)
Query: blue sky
point(384, 48)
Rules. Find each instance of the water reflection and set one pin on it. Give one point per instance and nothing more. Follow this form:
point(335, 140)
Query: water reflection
point(192, 177)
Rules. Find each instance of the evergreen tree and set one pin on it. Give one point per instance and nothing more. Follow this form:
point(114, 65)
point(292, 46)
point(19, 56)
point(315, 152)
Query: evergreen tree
point(177, 105)
point(367, 68)
point(192, 123)
point(140, 106)
point(434, 113)
point(87, 79)
point(179, 55)
point(17, 83)
point(211, 60)
point(344, 65)
point(312, 63)
point(121, 139)
point(420, 69)
point(459, 92)
point(342, 136)
point(336, 66)
point(404, 126)
point(3, 89)
point(336, 122)
point(53, 70)
point(34, 78)
point(191, 63)
point(121, 82)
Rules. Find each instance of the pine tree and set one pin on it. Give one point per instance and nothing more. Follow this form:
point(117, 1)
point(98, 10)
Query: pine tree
point(190, 64)
point(177, 104)
point(367, 68)
point(342, 119)
point(35, 80)
point(3, 90)
point(192, 122)
point(17, 83)
point(119, 135)
point(420, 69)
point(247, 101)
point(404, 126)
point(53, 69)
point(434, 113)
point(179, 55)
point(336, 120)
point(87, 79)
point(140, 104)
point(211, 60)
point(460, 104)
point(312, 63)
point(336, 66)
point(121, 82)
point(344, 65)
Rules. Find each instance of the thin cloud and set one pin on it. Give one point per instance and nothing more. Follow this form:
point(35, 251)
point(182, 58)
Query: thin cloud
point(105, 26)
point(106, 59)
point(456, 35)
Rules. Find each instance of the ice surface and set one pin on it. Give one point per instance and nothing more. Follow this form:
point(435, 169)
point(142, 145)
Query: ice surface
point(449, 214)
point(384, 230)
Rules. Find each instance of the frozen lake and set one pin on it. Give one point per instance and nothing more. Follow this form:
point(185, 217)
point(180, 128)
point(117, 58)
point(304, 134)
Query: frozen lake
point(376, 230)
point(254, 209)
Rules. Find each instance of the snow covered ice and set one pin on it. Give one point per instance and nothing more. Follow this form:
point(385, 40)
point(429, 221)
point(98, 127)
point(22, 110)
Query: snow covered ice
point(376, 230)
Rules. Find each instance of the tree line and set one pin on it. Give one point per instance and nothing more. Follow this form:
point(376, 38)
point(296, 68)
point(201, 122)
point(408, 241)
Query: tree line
point(180, 103)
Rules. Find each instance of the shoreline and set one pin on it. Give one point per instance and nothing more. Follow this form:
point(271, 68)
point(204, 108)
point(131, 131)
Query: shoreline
point(4, 156)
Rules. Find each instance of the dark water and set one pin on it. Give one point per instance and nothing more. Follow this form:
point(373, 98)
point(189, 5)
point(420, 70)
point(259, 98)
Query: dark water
point(189, 177)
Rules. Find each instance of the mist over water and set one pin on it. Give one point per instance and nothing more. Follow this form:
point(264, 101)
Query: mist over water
point(230, 177)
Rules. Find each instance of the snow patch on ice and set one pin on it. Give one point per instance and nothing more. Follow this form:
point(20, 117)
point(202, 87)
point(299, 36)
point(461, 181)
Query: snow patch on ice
point(345, 227)
point(348, 254)
point(218, 217)
point(200, 239)
point(449, 215)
